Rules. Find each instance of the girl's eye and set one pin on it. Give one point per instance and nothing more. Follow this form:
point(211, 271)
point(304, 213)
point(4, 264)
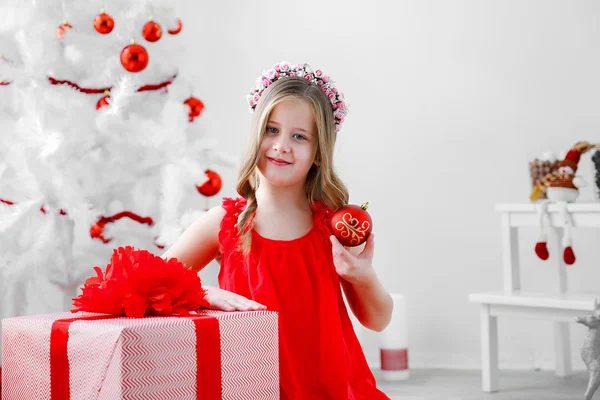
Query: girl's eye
point(299, 137)
point(272, 130)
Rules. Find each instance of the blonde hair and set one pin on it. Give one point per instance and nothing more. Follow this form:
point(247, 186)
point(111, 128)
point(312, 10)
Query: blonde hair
point(322, 183)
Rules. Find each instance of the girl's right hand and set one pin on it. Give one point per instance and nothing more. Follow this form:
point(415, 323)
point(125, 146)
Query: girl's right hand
point(219, 299)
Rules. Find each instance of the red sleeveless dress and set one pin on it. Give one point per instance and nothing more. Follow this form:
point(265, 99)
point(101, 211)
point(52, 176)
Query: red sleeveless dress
point(320, 355)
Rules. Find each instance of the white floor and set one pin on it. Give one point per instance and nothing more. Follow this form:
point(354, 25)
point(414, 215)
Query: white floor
point(432, 384)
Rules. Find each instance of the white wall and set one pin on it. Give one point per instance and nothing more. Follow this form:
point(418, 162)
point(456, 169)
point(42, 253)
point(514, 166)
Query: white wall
point(449, 101)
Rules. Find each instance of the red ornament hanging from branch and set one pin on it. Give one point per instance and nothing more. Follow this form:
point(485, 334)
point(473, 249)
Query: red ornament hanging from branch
point(194, 107)
point(64, 27)
point(134, 57)
point(104, 101)
point(152, 31)
point(104, 23)
point(177, 29)
point(212, 185)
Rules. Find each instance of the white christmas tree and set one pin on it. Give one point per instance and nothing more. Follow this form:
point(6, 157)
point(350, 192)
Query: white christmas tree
point(97, 120)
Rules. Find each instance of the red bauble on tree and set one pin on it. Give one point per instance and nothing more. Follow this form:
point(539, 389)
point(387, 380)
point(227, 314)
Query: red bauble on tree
point(177, 29)
point(212, 185)
point(134, 57)
point(104, 101)
point(152, 31)
point(62, 29)
point(352, 224)
point(104, 23)
point(194, 107)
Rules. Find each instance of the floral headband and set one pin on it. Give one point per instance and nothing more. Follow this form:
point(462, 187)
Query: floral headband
point(316, 77)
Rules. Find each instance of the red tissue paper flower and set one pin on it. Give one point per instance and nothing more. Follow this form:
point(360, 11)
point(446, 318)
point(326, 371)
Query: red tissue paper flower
point(138, 283)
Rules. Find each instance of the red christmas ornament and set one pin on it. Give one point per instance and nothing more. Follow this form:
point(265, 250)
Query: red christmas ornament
point(178, 26)
point(194, 107)
point(63, 28)
point(212, 185)
point(104, 23)
point(104, 101)
point(134, 57)
point(352, 224)
point(152, 31)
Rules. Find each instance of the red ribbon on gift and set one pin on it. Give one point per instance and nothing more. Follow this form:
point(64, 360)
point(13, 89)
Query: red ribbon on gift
point(208, 356)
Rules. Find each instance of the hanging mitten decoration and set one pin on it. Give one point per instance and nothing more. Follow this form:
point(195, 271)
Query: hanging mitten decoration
point(104, 23)
point(541, 247)
point(152, 31)
point(569, 255)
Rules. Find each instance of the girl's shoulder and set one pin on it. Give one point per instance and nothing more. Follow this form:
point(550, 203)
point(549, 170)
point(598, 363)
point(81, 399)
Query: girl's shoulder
point(322, 218)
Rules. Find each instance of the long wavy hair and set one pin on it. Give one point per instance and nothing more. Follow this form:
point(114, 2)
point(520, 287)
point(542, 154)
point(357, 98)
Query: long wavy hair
point(322, 183)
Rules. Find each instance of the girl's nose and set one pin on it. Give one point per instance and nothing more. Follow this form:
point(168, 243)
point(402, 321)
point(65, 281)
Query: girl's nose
point(281, 146)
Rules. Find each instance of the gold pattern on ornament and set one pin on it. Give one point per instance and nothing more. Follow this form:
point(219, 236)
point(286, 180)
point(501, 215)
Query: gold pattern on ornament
point(349, 228)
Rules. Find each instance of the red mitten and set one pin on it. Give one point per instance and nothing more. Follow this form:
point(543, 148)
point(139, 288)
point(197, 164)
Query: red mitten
point(541, 249)
point(569, 256)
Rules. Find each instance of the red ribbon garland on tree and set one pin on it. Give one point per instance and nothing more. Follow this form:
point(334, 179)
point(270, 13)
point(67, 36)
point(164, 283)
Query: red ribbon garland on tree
point(76, 86)
point(144, 88)
point(97, 230)
point(42, 209)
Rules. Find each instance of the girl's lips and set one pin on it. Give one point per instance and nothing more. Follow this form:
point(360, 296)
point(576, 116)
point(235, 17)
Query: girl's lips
point(278, 161)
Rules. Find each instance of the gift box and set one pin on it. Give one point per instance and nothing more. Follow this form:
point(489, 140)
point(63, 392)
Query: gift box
point(205, 355)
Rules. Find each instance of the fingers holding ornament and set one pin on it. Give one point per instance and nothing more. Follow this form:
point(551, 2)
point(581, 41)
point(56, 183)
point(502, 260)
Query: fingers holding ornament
point(350, 267)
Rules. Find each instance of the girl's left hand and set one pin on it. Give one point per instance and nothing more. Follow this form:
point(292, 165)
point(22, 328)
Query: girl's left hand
point(353, 268)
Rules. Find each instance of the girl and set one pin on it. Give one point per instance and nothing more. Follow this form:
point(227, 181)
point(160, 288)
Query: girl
point(276, 250)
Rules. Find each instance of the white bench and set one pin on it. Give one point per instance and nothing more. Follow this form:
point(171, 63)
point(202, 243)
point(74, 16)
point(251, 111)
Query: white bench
point(557, 305)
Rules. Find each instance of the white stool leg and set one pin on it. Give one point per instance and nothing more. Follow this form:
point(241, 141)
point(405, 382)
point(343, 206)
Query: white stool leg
point(489, 350)
point(562, 347)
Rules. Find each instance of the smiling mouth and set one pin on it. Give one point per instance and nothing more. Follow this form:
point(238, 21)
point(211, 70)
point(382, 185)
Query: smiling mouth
point(278, 161)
